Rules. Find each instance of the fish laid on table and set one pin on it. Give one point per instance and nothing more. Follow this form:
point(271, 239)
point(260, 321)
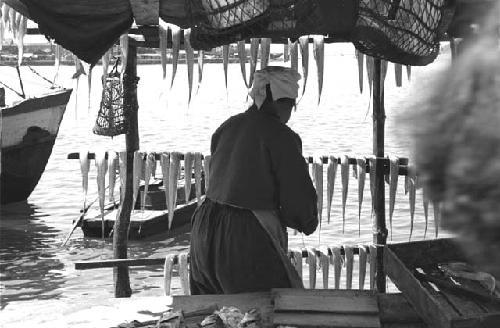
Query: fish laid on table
point(206, 169)
point(102, 165)
point(360, 57)
point(201, 59)
point(373, 266)
point(398, 72)
point(254, 53)
point(311, 260)
point(412, 187)
point(189, 59)
point(265, 51)
point(136, 176)
point(349, 265)
point(167, 273)
point(362, 266)
point(165, 169)
point(148, 172)
point(317, 170)
point(242, 56)
point(294, 55)
point(122, 161)
point(304, 52)
point(361, 164)
point(176, 46)
point(112, 164)
point(175, 160)
point(336, 261)
point(437, 218)
point(225, 61)
point(198, 167)
point(188, 169)
point(324, 263)
point(331, 173)
point(425, 200)
point(344, 172)
point(163, 34)
point(124, 51)
point(319, 57)
point(297, 261)
point(84, 168)
point(184, 272)
point(393, 186)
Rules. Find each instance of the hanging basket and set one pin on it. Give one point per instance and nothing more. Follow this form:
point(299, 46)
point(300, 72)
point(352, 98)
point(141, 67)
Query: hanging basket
point(401, 31)
point(112, 118)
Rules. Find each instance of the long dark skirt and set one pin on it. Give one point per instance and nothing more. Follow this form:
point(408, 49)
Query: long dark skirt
point(231, 252)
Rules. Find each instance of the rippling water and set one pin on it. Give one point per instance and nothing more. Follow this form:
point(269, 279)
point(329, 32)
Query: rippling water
point(35, 266)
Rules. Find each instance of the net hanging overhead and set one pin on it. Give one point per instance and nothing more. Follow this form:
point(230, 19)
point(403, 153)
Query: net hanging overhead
point(401, 31)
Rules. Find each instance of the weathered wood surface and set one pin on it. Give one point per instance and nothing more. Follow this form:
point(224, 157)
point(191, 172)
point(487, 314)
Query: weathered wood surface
point(326, 320)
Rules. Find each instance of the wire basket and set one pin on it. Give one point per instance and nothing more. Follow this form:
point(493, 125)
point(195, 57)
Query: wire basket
point(401, 31)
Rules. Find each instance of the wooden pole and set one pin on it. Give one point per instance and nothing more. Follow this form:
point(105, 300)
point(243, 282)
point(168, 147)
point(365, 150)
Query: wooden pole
point(380, 229)
point(120, 234)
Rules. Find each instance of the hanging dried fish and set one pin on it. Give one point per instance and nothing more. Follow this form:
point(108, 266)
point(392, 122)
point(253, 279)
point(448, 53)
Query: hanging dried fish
point(176, 46)
point(188, 169)
point(437, 217)
point(122, 158)
point(265, 51)
point(336, 261)
point(184, 272)
point(198, 167)
point(124, 51)
point(311, 260)
point(383, 72)
point(189, 59)
point(331, 173)
point(349, 265)
point(373, 167)
point(225, 61)
point(361, 164)
point(254, 53)
point(393, 186)
point(297, 256)
point(242, 56)
point(294, 55)
point(373, 266)
point(412, 194)
point(2, 28)
point(408, 72)
point(206, 169)
point(398, 72)
point(425, 199)
point(362, 266)
point(105, 65)
point(89, 86)
point(165, 171)
point(112, 164)
point(286, 51)
point(175, 159)
point(201, 58)
point(84, 168)
point(136, 177)
point(453, 49)
point(324, 264)
point(317, 169)
point(370, 67)
point(102, 165)
point(304, 51)
point(344, 172)
point(360, 57)
point(148, 172)
point(163, 33)
point(21, 31)
point(319, 57)
point(79, 69)
point(167, 273)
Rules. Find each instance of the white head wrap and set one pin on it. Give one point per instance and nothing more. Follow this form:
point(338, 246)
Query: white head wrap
point(282, 80)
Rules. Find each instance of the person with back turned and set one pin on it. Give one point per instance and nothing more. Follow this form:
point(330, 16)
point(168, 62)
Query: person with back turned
point(259, 185)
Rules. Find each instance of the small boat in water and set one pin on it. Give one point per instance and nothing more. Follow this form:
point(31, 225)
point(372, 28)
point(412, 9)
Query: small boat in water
point(28, 132)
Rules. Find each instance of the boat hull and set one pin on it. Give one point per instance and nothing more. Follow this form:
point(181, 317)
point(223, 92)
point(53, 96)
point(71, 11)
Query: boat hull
point(29, 130)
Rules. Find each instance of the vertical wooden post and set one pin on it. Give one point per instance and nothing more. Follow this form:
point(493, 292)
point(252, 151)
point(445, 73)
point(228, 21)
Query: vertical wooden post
point(120, 235)
point(380, 231)
point(2, 97)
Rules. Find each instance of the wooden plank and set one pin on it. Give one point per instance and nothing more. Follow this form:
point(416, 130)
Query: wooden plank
point(326, 320)
point(479, 321)
point(146, 12)
point(117, 262)
point(320, 300)
point(395, 308)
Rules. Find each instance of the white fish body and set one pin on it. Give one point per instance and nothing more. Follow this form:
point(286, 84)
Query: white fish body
point(362, 266)
point(188, 169)
point(21, 32)
point(242, 56)
point(286, 51)
point(184, 272)
point(148, 172)
point(425, 199)
point(176, 46)
point(189, 59)
point(373, 168)
point(136, 177)
point(122, 161)
point(344, 172)
point(373, 266)
point(163, 33)
point(331, 173)
point(57, 61)
point(398, 72)
point(393, 186)
point(265, 51)
point(324, 263)
point(317, 169)
point(349, 265)
point(124, 51)
point(167, 273)
point(294, 55)
point(102, 165)
point(201, 58)
point(408, 72)
point(319, 57)
point(361, 164)
point(311, 260)
point(412, 194)
point(84, 168)
point(206, 169)
point(2, 28)
point(165, 169)
point(437, 218)
point(105, 64)
point(254, 53)
point(304, 51)
point(297, 255)
point(198, 167)
point(225, 61)
point(336, 261)
point(370, 66)
point(175, 159)
point(360, 57)
point(112, 163)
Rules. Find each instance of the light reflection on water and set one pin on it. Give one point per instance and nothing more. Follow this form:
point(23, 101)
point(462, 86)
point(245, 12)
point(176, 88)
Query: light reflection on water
point(35, 266)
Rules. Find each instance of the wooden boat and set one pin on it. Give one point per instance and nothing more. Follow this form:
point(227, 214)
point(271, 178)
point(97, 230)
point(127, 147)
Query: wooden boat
point(29, 130)
point(152, 221)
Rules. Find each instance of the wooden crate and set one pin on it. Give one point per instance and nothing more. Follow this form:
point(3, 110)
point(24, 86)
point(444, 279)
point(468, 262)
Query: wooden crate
point(438, 306)
point(325, 308)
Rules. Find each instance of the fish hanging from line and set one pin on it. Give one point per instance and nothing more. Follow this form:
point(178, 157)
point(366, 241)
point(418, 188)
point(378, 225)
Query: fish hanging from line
point(344, 173)
point(198, 167)
point(225, 61)
point(184, 272)
point(297, 256)
point(188, 169)
point(242, 56)
point(206, 169)
point(124, 52)
point(84, 168)
point(163, 35)
point(398, 72)
point(165, 171)
point(294, 55)
point(105, 65)
point(453, 49)
point(201, 59)
point(136, 176)
point(437, 217)
point(311, 260)
point(393, 186)
point(57, 62)
point(89, 86)
point(373, 266)
point(361, 164)
point(425, 200)
point(2, 28)
point(349, 265)
point(102, 165)
point(324, 264)
point(122, 162)
point(360, 57)
point(148, 172)
point(286, 51)
point(319, 57)
point(265, 51)
point(362, 266)
point(254, 53)
point(189, 59)
point(412, 187)
point(336, 260)
point(304, 51)
point(317, 170)
point(408, 72)
point(167, 273)
point(175, 159)
point(370, 66)
point(112, 164)
point(331, 173)
point(176, 46)
point(372, 161)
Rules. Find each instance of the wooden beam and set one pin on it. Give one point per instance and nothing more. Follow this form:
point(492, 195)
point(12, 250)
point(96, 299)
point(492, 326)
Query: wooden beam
point(118, 262)
point(146, 12)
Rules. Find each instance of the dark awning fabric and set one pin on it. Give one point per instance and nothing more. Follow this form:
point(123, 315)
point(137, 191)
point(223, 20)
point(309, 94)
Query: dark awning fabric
point(88, 28)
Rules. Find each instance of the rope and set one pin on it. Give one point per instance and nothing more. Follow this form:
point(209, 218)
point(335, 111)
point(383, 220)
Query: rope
point(44, 78)
point(11, 89)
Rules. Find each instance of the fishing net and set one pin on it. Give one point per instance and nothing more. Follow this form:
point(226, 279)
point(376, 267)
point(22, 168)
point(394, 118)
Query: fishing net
point(112, 116)
point(401, 31)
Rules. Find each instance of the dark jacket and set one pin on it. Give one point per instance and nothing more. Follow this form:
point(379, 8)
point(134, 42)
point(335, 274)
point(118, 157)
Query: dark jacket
point(257, 164)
